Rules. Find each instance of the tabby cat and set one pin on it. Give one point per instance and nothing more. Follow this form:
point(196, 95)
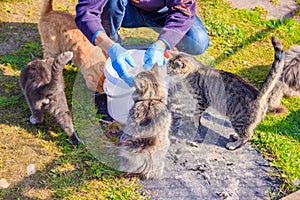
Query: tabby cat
point(42, 83)
point(145, 141)
point(289, 82)
point(242, 103)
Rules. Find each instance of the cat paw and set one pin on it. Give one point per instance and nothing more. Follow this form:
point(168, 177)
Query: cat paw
point(68, 54)
point(32, 121)
point(74, 139)
point(234, 136)
point(234, 145)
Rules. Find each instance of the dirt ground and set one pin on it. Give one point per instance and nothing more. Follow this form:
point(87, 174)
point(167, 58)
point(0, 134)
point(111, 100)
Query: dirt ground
point(198, 166)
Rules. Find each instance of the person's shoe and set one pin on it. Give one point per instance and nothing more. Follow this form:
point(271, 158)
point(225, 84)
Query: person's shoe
point(101, 104)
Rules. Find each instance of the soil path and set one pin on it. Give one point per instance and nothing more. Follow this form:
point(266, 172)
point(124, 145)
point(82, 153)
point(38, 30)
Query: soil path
point(283, 8)
point(198, 166)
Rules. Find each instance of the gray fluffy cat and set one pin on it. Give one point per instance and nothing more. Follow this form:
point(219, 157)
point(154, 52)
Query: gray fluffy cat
point(242, 103)
point(289, 83)
point(43, 86)
point(145, 141)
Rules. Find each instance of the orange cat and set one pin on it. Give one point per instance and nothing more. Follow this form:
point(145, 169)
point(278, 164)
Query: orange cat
point(59, 33)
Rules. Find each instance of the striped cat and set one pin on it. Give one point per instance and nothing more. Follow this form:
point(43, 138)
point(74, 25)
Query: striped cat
point(145, 141)
point(242, 103)
point(42, 83)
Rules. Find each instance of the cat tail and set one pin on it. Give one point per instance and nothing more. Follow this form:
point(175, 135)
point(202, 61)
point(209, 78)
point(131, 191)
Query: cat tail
point(46, 7)
point(261, 105)
point(269, 84)
point(274, 74)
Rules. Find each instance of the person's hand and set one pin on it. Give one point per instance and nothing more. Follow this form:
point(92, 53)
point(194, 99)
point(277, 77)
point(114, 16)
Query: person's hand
point(119, 57)
point(154, 54)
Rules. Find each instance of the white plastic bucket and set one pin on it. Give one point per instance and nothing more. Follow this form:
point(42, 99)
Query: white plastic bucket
point(119, 94)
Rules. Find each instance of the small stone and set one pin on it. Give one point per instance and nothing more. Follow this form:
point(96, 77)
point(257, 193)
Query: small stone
point(3, 183)
point(178, 151)
point(31, 169)
point(191, 144)
point(223, 195)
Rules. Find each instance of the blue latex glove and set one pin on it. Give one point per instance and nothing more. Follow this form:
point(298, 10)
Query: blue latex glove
point(154, 54)
point(119, 57)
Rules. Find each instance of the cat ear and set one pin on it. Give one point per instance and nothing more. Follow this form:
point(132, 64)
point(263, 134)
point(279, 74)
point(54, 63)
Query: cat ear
point(155, 68)
point(50, 61)
point(32, 57)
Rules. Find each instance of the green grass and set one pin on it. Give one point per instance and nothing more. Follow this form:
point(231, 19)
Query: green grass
point(278, 138)
point(240, 43)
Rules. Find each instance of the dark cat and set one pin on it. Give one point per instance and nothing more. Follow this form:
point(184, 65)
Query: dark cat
point(42, 83)
point(242, 103)
point(289, 82)
point(145, 141)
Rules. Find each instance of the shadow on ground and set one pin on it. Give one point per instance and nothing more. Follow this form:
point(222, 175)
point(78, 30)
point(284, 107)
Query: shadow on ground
point(81, 169)
point(280, 19)
point(14, 35)
point(289, 125)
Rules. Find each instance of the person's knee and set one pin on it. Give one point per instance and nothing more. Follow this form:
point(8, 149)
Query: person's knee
point(197, 38)
point(199, 47)
point(194, 46)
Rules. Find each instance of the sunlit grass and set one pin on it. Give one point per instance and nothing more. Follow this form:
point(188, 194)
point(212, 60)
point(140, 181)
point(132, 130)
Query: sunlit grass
point(240, 43)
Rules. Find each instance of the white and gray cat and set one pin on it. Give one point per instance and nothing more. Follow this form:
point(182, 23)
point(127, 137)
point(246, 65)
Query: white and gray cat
point(145, 141)
point(289, 82)
point(42, 83)
point(242, 103)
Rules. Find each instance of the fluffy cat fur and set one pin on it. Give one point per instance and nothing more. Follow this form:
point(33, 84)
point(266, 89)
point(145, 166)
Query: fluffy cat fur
point(289, 82)
point(242, 103)
point(59, 33)
point(145, 141)
point(43, 86)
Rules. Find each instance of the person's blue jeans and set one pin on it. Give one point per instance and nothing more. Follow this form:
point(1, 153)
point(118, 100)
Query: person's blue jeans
point(121, 13)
